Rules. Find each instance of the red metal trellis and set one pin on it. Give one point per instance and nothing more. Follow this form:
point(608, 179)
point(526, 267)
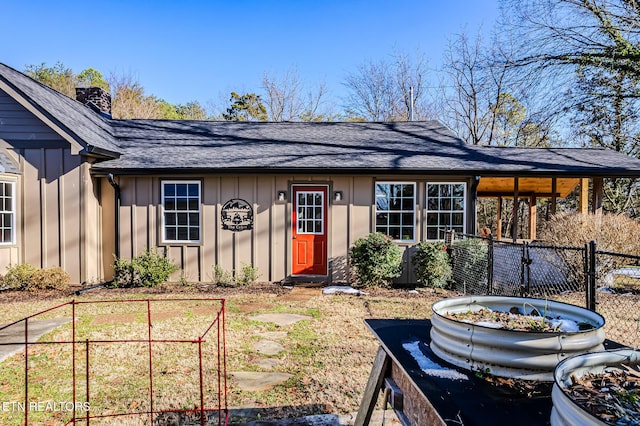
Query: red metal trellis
point(206, 413)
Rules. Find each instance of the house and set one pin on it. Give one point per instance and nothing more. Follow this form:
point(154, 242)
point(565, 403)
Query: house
point(77, 187)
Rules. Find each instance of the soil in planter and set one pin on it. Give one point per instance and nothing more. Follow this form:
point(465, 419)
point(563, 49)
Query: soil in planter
point(518, 321)
point(512, 387)
point(612, 396)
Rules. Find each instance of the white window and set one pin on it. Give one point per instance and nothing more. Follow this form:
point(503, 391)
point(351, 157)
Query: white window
point(181, 211)
point(396, 210)
point(445, 208)
point(310, 212)
point(7, 212)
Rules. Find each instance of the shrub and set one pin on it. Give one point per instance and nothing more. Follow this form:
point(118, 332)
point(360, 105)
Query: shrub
point(148, 269)
point(431, 263)
point(248, 275)
point(221, 277)
point(612, 232)
point(470, 262)
point(19, 276)
point(377, 260)
point(54, 278)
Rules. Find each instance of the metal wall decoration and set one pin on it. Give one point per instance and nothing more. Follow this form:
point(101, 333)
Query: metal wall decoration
point(237, 215)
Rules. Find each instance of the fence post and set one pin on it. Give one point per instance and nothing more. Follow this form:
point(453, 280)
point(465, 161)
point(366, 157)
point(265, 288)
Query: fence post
point(524, 270)
point(591, 277)
point(490, 266)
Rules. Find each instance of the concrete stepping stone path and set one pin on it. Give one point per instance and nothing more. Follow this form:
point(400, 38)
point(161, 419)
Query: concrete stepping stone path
point(257, 381)
point(268, 347)
point(254, 381)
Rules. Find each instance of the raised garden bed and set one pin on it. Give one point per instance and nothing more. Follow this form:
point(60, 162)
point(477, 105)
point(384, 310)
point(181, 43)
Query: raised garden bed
point(601, 388)
point(522, 338)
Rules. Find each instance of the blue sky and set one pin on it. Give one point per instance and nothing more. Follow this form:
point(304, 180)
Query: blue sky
point(201, 50)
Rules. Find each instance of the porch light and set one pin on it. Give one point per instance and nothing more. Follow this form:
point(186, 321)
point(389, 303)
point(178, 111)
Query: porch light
point(282, 195)
point(337, 196)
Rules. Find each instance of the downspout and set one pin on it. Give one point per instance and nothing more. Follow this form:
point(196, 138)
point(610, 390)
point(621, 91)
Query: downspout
point(474, 204)
point(116, 189)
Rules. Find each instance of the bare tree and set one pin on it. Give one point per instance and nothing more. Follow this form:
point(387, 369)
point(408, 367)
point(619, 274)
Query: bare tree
point(380, 91)
point(602, 34)
point(588, 51)
point(287, 98)
point(130, 100)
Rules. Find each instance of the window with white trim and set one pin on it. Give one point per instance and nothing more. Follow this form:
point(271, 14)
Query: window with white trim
point(445, 208)
point(7, 212)
point(396, 210)
point(181, 211)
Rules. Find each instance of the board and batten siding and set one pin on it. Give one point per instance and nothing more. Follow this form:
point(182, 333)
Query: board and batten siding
point(267, 246)
point(57, 205)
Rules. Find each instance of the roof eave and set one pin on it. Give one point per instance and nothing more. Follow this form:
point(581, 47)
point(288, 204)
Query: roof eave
point(626, 173)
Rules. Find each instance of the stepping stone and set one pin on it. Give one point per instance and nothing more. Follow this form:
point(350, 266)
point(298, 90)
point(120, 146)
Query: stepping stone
point(268, 347)
point(12, 336)
point(280, 319)
point(253, 381)
point(268, 363)
point(272, 335)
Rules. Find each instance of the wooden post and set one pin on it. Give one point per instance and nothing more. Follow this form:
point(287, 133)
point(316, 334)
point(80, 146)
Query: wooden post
point(514, 230)
point(583, 198)
point(380, 366)
point(533, 216)
point(499, 221)
point(596, 195)
point(554, 192)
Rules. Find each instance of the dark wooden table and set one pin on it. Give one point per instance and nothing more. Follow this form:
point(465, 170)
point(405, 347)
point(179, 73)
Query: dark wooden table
point(427, 397)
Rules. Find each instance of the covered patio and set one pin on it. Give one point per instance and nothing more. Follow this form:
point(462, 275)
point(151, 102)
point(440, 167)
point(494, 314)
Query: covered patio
point(590, 196)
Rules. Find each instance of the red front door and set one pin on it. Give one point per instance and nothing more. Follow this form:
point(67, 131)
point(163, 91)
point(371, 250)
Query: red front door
point(309, 233)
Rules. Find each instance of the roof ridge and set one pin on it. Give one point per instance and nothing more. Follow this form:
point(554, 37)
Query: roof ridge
point(91, 130)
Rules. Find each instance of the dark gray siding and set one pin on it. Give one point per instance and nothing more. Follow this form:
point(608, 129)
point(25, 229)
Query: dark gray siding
point(17, 123)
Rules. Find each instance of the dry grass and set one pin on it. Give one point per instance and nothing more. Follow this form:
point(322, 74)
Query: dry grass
point(329, 355)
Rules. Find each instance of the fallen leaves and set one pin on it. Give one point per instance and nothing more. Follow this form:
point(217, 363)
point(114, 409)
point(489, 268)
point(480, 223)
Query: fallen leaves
point(613, 396)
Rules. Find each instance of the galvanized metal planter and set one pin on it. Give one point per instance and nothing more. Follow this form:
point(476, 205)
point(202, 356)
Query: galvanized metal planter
point(524, 355)
point(565, 412)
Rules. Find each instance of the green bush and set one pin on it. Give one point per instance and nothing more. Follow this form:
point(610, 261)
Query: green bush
point(431, 263)
point(221, 277)
point(377, 260)
point(18, 277)
point(54, 278)
point(248, 275)
point(470, 262)
point(148, 269)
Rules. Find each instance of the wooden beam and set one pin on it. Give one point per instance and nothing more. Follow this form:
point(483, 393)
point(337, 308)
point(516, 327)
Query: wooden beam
point(533, 217)
point(597, 195)
point(521, 193)
point(514, 229)
point(554, 201)
point(499, 221)
point(583, 198)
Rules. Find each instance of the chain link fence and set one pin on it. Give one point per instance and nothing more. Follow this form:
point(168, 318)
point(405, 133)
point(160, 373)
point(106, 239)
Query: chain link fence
point(608, 283)
point(617, 295)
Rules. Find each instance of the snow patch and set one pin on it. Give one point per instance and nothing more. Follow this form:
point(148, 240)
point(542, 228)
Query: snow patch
point(334, 289)
point(430, 367)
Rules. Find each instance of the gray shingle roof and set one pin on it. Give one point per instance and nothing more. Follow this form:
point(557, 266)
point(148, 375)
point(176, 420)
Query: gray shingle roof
point(7, 165)
point(400, 146)
point(90, 129)
point(151, 146)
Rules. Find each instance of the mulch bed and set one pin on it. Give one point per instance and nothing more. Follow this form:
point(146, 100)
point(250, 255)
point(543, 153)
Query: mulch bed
point(612, 396)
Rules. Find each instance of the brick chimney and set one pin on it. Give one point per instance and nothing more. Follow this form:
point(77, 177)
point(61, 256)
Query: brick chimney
point(96, 98)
